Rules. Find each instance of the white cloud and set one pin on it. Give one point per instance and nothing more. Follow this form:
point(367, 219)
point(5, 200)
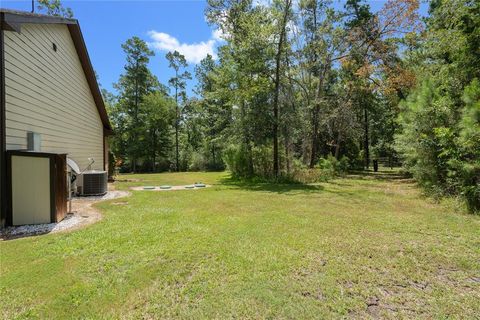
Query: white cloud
point(193, 52)
point(218, 35)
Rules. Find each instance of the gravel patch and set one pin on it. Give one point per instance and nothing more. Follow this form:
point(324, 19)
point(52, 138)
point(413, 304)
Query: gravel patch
point(83, 213)
point(108, 196)
point(33, 229)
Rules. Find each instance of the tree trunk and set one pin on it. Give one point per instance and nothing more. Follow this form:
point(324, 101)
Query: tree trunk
point(313, 152)
point(136, 123)
point(287, 153)
point(337, 146)
point(246, 140)
point(177, 115)
point(278, 57)
point(214, 155)
point(154, 149)
point(366, 142)
point(316, 110)
point(316, 113)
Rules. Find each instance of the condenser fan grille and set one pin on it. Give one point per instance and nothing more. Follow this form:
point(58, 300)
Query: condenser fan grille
point(94, 183)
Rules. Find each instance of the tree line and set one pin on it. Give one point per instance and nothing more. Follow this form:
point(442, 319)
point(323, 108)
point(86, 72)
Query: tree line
point(301, 87)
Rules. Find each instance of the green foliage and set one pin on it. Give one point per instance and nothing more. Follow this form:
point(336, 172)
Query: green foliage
point(177, 62)
point(440, 139)
point(291, 83)
point(157, 114)
point(309, 91)
point(132, 119)
point(197, 162)
point(330, 167)
point(469, 142)
point(237, 162)
point(262, 161)
point(54, 8)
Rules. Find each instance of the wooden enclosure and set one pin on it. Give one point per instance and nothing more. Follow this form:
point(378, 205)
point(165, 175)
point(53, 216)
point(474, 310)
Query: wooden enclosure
point(37, 187)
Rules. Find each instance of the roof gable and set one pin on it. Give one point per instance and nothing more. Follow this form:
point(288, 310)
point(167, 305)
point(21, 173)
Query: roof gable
point(13, 20)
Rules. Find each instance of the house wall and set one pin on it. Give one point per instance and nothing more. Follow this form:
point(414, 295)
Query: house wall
point(3, 164)
point(46, 92)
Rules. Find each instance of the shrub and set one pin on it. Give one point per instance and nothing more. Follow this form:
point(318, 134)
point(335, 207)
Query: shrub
point(303, 174)
point(327, 167)
point(197, 162)
point(343, 165)
point(442, 150)
point(236, 161)
point(331, 167)
point(262, 161)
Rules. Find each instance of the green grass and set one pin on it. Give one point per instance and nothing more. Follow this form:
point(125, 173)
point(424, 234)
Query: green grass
point(359, 247)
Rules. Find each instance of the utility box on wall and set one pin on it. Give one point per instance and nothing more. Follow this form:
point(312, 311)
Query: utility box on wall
point(34, 142)
point(37, 187)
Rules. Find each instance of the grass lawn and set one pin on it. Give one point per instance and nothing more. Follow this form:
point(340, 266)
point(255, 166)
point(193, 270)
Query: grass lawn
point(366, 246)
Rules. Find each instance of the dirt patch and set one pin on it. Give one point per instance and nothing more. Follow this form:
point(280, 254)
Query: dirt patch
point(373, 307)
point(83, 214)
point(318, 295)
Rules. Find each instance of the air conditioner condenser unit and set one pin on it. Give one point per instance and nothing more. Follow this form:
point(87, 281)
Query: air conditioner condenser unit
point(92, 183)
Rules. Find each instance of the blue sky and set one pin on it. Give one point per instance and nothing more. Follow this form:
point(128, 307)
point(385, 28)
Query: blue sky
point(168, 25)
point(107, 24)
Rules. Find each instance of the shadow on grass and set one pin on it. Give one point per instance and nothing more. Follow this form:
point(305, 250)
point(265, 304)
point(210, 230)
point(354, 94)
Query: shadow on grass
point(382, 175)
point(296, 188)
point(280, 188)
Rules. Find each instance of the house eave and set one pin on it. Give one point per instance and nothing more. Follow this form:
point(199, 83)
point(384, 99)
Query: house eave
point(12, 20)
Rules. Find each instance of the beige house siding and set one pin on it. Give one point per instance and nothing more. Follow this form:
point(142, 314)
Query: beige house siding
point(47, 93)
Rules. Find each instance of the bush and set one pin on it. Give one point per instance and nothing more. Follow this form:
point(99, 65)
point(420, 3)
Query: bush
point(262, 161)
point(197, 162)
point(235, 158)
point(343, 165)
point(112, 169)
point(331, 167)
point(470, 187)
point(303, 174)
point(441, 150)
point(327, 167)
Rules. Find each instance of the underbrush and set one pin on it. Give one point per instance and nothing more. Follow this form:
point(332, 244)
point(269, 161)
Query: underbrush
point(260, 171)
point(326, 169)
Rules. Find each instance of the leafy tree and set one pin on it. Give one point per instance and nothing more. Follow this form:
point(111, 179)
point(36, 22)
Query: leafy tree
point(157, 114)
point(307, 86)
point(215, 113)
point(177, 62)
point(468, 166)
point(54, 8)
point(244, 74)
point(134, 84)
point(283, 19)
point(439, 120)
